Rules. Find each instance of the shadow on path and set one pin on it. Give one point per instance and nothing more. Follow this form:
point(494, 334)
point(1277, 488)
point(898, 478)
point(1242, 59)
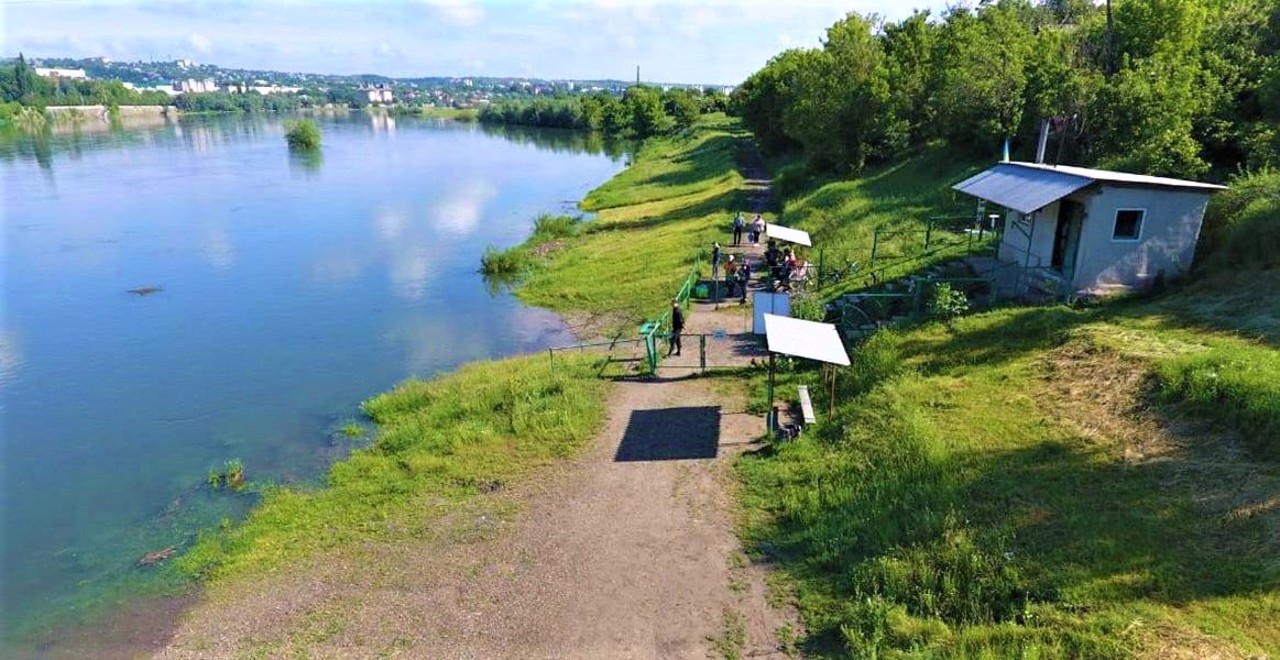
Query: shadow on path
point(671, 434)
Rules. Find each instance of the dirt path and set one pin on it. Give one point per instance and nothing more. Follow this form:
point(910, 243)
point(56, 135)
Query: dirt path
point(628, 552)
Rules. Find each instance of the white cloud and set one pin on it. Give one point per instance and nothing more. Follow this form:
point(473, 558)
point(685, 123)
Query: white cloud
point(462, 13)
point(200, 43)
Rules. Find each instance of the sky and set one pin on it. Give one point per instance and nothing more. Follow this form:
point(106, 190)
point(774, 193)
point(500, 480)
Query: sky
point(677, 41)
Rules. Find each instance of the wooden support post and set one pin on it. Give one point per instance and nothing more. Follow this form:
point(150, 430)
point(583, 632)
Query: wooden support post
point(702, 352)
point(769, 421)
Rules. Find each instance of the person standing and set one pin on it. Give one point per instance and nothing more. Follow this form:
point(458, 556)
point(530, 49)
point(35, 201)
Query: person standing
point(739, 223)
point(744, 278)
point(715, 260)
point(677, 326)
point(757, 228)
point(731, 274)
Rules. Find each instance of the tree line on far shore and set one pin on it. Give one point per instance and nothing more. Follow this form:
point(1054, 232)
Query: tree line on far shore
point(1174, 87)
point(640, 112)
point(19, 85)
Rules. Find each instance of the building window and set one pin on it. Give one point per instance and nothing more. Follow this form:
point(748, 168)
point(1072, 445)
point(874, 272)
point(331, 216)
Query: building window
point(1128, 225)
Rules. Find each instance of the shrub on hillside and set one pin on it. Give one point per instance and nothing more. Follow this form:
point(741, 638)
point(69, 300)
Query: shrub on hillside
point(1242, 224)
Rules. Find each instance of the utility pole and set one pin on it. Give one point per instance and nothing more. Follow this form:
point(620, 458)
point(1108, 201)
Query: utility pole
point(637, 74)
point(1111, 41)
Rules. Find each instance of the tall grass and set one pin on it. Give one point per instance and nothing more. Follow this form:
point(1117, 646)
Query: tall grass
point(1238, 386)
point(520, 259)
point(445, 438)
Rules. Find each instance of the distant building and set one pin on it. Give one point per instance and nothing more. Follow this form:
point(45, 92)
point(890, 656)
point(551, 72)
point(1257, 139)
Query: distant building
point(74, 74)
point(195, 86)
point(378, 94)
point(263, 89)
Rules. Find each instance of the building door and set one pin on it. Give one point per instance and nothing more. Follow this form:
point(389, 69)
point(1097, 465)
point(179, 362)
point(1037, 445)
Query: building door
point(1066, 237)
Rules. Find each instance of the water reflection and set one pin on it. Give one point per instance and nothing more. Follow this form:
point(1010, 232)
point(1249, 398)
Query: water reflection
point(291, 291)
point(72, 138)
point(560, 140)
point(459, 214)
point(306, 161)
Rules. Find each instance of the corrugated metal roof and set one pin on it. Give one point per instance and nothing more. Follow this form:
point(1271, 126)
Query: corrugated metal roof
point(1024, 190)
point(1029, 187)
point(1123, 177)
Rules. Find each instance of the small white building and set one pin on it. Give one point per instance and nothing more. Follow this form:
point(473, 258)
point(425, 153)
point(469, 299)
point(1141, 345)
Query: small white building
point(1094, 231)
point(192, 85)
point(73, 74)
point(379, 94)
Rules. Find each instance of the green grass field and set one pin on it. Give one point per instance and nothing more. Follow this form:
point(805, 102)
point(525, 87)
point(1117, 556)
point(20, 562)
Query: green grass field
point(654, 219)
point(438, 444)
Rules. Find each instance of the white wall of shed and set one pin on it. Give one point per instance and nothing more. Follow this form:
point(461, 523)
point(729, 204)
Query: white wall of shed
point(1013, 245)
point(1166, 244)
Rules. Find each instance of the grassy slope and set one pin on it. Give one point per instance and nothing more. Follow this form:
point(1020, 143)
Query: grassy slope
point(654, 219)
point(1039, 482)
point(842, 215)
point(439, 443)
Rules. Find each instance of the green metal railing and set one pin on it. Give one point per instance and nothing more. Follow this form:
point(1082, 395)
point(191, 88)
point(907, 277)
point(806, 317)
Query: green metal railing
point(651, 331)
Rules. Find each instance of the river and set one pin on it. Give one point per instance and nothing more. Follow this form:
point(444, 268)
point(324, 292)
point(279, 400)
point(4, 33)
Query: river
point(187, 293)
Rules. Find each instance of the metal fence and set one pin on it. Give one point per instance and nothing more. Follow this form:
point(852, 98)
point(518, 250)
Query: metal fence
point(897, 251)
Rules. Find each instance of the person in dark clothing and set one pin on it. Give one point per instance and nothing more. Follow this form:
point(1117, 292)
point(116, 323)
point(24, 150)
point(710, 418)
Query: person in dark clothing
point(677, 326)
point(715, 260)
point(739, 223)
point(744, 278)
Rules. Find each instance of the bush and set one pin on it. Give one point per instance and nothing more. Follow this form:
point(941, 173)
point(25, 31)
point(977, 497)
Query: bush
point(809, 307)
point(547, 227)
point(303, 134)
point(504, 262)
point(947, 303)
point(1240, 226)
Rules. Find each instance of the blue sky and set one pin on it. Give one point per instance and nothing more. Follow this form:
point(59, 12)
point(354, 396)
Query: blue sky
point(693, 41)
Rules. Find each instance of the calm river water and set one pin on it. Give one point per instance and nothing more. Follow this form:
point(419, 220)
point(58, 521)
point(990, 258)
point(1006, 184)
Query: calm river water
point(288, 291)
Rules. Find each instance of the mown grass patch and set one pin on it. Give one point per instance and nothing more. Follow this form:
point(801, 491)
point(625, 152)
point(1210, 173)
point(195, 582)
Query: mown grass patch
point(978, 495)
point(443, 440)
point(843, 215)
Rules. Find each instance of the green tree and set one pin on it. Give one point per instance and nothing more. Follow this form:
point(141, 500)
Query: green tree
point(644, 106)
point(683, 108)
point(983, 60)
point(842, 115)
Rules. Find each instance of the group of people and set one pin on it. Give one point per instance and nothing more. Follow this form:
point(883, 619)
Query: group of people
point(784, 265)
point(737, 274)
point(754, 231)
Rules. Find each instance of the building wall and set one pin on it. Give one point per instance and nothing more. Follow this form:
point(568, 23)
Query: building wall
point(1013, 246)
point(1166, 243)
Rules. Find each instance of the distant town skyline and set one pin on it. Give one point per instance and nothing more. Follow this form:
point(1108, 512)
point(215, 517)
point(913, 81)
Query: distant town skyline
point(703, 42)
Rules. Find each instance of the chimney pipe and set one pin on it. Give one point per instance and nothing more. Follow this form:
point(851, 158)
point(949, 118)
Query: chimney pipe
point(1044, 141)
